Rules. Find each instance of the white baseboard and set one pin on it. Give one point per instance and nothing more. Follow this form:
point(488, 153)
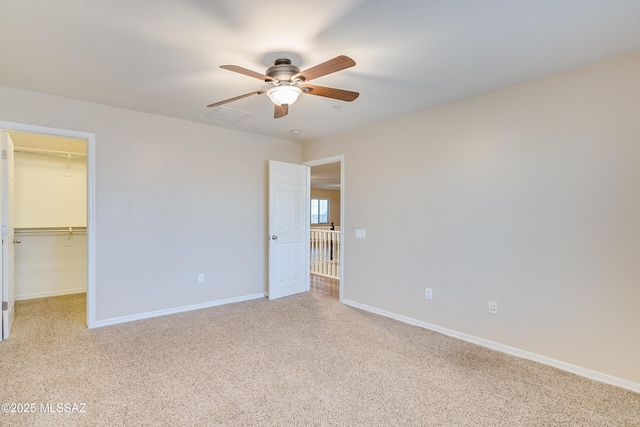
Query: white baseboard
point(583, 372)
point(157, 313)
point(49, 294)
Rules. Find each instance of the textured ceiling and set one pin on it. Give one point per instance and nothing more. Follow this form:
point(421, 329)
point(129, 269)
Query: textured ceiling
point(163, 57)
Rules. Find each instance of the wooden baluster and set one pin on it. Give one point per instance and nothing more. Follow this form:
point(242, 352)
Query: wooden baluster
point(317, 252)
point(313, 241)
point(324, 252)
point(338, 254)
point(314, 253)
point(331, 258)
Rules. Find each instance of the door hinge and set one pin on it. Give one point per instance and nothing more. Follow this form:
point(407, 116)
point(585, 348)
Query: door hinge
point(5, 306)
point(4, 154)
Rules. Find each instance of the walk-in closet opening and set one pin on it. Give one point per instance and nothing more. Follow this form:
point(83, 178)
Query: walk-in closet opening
point(49, 215)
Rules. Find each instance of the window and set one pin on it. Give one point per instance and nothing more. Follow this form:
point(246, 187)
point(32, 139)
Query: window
point(319, 211)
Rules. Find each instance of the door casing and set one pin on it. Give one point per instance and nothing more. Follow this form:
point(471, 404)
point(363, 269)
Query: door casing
point(343, 228)
point(90, 138)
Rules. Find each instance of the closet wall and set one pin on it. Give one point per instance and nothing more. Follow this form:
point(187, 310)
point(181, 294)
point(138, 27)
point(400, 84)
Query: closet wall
point(49, 216)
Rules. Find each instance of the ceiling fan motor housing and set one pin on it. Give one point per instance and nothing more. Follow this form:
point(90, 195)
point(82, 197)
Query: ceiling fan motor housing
point(282, 70)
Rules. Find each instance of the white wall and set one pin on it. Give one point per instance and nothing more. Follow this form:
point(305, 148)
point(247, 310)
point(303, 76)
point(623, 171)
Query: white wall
point(49, 192)
point(529, 196)
point(50, 264)
point(334, 203)
point(173, 199)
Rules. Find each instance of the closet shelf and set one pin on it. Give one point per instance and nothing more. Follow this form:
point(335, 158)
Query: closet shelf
point(50, 230)
point(50, 153)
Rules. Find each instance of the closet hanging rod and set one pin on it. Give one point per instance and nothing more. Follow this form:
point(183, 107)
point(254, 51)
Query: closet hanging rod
point(50, 153)
point(56, 230)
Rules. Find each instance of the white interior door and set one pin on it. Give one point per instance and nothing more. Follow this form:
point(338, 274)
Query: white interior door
point(288, 229)
point(8, 238)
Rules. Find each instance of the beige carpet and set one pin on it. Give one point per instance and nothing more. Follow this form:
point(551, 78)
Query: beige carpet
point(304, 360)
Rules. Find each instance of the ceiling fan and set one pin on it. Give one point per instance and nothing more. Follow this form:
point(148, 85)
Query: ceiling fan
point(288, 82)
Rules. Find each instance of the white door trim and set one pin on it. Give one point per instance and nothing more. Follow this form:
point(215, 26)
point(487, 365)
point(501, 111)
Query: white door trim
point(91, 211)
point(343, 228)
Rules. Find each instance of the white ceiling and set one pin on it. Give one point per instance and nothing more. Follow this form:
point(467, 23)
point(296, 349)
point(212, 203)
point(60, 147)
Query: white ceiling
point(163, 56)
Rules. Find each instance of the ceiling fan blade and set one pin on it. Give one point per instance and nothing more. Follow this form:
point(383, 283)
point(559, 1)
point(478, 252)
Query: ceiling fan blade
point(281, 111)
point(258, 92)
point(329, 92)
point(331, 66)
point(247, 72)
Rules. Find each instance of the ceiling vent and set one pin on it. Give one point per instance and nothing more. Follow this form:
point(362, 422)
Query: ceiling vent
point(228, 114)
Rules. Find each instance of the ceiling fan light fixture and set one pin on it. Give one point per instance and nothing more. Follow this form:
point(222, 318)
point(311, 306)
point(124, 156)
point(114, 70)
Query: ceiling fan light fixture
point(286, 80)
point(281, 95)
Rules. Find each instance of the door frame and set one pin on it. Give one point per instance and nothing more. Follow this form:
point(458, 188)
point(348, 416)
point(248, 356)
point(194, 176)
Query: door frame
point(324, 161)
point(91, 200)
point(8, 236)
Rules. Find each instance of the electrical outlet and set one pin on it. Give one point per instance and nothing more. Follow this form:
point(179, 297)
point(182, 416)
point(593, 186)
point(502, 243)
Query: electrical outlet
point(428, 293)
point(493, 307)
point(200, 278)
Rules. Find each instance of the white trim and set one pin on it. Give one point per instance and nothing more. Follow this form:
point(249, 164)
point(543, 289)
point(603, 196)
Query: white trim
point(25, 297)
point(583, 372)
point(168, 311)
point(91, 200)
point(307, 234)
point(324, 161)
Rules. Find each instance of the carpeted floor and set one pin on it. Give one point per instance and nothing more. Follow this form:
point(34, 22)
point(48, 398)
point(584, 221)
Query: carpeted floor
point(304, 360)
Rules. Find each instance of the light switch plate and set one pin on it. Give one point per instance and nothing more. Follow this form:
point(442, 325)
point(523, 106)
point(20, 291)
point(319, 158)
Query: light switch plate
point(361, 234)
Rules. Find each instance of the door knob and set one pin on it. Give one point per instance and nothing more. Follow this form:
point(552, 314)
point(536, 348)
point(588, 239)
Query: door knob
point(17, 241)
point(274, 237)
